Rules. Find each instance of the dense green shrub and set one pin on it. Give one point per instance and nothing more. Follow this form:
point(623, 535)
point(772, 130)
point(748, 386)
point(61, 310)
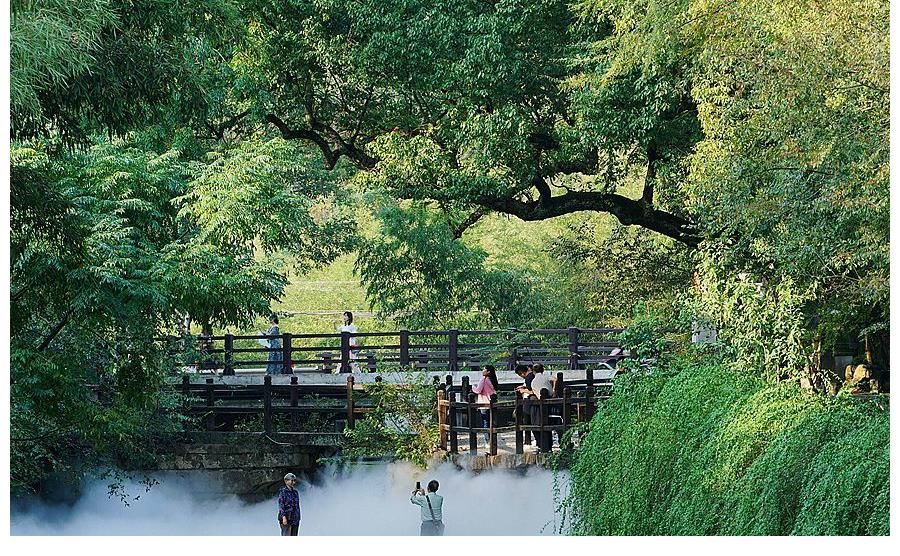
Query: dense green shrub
point(698, 449)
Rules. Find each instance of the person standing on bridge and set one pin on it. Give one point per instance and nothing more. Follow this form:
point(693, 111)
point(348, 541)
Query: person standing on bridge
point(486, 387)
point(540, 387)
point(351, 329)
point(289, 507)
point(432, 505)
point(273, 342)
point(525, 373)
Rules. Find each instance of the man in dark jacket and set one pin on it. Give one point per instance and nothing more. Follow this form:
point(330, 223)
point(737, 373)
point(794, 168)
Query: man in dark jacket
point(289, 507)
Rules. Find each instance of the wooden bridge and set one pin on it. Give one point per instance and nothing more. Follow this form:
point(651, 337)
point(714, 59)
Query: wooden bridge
point(450, 350)
point(318, 414)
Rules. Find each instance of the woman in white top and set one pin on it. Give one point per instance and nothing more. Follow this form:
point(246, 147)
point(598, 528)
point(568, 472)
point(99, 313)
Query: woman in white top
point(352, 330)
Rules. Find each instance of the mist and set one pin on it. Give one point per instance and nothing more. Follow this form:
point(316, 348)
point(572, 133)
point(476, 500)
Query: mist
point(367, 500)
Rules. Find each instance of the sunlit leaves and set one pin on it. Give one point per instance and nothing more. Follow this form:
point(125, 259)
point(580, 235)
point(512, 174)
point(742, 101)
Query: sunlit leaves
point(266, 191)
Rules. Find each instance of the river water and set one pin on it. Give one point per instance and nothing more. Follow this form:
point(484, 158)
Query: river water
point(366, 500)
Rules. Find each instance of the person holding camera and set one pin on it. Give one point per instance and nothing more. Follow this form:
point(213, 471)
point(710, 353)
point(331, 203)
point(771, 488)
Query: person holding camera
point(289, 507)
point(432, 505)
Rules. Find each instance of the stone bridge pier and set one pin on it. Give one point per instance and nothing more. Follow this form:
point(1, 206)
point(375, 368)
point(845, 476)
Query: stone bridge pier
point(249, 465)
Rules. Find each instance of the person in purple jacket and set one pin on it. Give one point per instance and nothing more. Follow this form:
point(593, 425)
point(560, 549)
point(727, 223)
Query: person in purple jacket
point(289, 507)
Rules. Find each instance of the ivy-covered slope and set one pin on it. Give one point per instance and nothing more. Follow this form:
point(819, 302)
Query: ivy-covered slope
point(697, 449)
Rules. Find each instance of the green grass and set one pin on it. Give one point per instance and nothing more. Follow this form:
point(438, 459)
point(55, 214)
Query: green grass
point(698, 449)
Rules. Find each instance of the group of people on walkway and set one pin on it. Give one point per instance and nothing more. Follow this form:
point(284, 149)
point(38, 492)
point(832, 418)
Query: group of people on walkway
point(535, 386)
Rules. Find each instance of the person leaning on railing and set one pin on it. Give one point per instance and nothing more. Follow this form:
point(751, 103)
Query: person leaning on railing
point(540, 388)
point(526, 374)
point(486, 387)
point(273, 342)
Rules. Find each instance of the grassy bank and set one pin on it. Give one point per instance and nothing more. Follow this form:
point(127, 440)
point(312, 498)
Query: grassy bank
point(696, 449)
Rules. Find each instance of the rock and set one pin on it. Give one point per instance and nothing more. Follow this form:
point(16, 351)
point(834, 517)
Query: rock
point(862, 372)
point(848, 373)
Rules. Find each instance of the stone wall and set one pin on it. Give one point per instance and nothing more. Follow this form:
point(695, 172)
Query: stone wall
point(249, 465)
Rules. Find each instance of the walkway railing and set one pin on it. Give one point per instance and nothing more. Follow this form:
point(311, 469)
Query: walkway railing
point(271, 408)
point(570, 402)
point(450, 350)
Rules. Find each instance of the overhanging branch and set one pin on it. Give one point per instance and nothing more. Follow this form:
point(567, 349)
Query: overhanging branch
point(332, 153)
point(627, 211)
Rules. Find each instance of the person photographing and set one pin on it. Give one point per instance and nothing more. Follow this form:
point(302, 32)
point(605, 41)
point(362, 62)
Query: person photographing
point(432, 505)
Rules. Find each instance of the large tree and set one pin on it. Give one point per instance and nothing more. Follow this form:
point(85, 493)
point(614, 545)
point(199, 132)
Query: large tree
point(477, 106)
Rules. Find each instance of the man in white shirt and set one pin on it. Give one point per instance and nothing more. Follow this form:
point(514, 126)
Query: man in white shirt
point(432, 506)
point(539, 383)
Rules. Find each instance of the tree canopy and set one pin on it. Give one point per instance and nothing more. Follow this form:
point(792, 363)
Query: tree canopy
point(171, 160)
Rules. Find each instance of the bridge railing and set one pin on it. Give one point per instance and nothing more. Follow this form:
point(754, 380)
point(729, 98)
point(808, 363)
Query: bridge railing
point(272, 408)
point(451, 350)
point(569, 402)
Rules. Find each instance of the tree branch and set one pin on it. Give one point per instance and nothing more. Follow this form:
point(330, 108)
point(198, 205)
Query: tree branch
point(543, 188)
point(218, 130)
point(650, 176)
point(468, 222)
point(54, 331)
point(627, 211)
point(331, 153)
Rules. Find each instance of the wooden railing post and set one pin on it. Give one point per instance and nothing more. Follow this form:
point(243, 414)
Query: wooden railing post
point(557, 408)
point(513, 359)
point(229, 355)
point(451, 418)
point(589, 395)
point(327, 364)
point(464, 395)
point(404, 348)
point(442, 418)
point(520, 439)
point(574, 355)
point(350, 408)
point(210, 402)
point(567, 413)
point(453, 350)
point(286, 354)
point(185, 385)
point(295, 399)
point(542, 418)
point(470, 417)
point(345, 352)
point(267, 404)
point(492, 447)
